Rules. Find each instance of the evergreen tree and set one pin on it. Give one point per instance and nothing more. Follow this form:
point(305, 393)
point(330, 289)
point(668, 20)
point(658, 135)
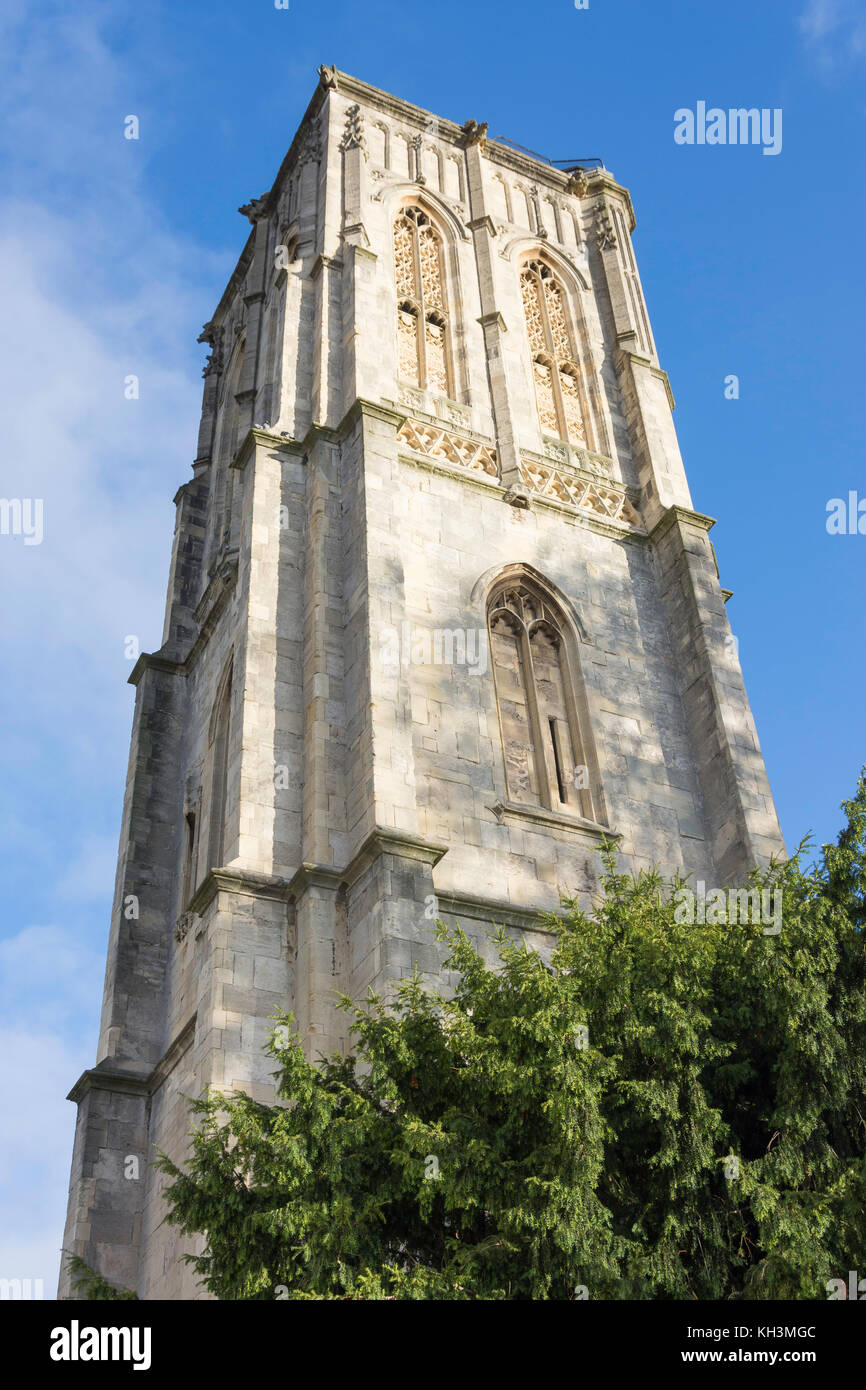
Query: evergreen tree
point(661, 1109)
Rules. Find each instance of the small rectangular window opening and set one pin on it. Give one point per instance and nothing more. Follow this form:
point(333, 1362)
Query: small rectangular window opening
point(563, 792)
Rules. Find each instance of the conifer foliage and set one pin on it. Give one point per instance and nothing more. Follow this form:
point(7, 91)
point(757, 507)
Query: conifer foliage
point(654, 1110)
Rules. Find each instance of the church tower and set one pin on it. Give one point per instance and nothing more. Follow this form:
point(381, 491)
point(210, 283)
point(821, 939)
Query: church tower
point(441, 616)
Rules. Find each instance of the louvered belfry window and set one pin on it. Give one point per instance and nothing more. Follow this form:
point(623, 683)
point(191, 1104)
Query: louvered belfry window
point(424, 348)
point(558, 390)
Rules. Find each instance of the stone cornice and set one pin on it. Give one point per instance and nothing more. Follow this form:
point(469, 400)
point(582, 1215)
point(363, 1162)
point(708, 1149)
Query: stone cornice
point(243, 881)
point(109, 1075)
point(301, 447)
point(588, 492)
point(384, 841)
point(317, 432)
point(129, 1078)
point(317, 101)
point(641, 361)
point(379, 841)
point(617, 531)
point(536, 170)
point(512, 811)
point(333, 80)
point(325, 263)
point(494, 318)
point(361, 407)
point(257, 435)
point(396, 107)
point(152, 661)
point(481, 481)
point(485, 221)
point(490, 910)
point(601, 181)
point(676, 514)
point(528, 168)
point(267, 204)
point(314, 876)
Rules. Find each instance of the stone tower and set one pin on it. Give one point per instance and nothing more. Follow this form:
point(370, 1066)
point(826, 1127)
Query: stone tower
point(440, 616)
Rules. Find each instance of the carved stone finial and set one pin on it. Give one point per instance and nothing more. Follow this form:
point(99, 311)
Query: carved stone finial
point(213, 336)
point(310, 151)
point(474, 133)
point(185, 923)
point(327, 76)
point(353, 135)
point(605, 236)
point(255, 208)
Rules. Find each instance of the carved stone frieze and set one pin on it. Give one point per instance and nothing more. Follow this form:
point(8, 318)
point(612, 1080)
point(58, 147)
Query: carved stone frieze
point(607, 501)
point(446, 447)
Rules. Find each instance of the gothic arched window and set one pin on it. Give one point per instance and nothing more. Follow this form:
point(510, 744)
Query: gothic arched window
point(558, 387)
point(549, 757)
point(424, 348)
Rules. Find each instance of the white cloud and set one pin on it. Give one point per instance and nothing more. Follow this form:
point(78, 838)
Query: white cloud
point(820, 18)
point(90, 876)
point(37, 1072)
point(835, 33)
point(50, 986)
point(94, 285)
point(49, 979)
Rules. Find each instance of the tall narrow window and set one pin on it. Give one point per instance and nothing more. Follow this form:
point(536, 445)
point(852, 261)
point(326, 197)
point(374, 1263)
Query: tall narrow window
point(549, 759)
point(190, 856)
point(223, 477)
point(218, 757)
point(558, 388)
point(424, 347)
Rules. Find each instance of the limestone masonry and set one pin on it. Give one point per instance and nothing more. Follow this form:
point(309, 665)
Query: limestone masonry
point(440, 617)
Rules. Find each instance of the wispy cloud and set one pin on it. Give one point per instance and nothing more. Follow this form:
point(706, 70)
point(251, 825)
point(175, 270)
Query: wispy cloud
point(95, 286)
point(49, 981)
point(834, 32)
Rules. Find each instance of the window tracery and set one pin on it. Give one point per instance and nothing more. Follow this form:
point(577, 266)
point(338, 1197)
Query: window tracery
point(549, 761)
point(558, 387)
point(424, 348)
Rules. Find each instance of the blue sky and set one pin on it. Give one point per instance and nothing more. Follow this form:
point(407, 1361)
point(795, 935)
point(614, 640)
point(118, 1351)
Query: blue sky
point(114, 253)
